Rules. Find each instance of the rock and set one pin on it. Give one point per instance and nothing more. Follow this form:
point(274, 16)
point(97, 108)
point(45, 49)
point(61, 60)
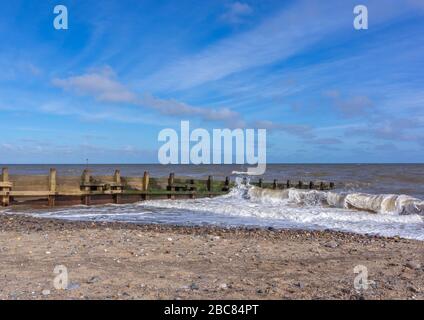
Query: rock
point(300, 285)
point(93, 280)
point(414, 289)
point(415, 265)
point(72, 286)
point(331, 244)
point(194, 286)
point(45, 292)
point(223, 286)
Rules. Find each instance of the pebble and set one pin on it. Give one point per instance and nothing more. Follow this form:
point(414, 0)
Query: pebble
point(93, 280)
point(413, 265)
point(45, 292)
point(414, 289)
point(223, 286)
point(331, 244)
point(194, 286)
point(72, 286)
point(300, 285)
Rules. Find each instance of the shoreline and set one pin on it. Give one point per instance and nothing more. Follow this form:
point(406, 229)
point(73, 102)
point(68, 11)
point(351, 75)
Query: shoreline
point(27, 221)
point(116, 260)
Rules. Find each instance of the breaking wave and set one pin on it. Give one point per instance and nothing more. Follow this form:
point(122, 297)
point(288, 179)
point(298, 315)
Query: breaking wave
point(382, 203)
point(247, 205)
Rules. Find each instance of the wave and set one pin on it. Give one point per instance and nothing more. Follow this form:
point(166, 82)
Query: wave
point(247, 205)
point(380, 203)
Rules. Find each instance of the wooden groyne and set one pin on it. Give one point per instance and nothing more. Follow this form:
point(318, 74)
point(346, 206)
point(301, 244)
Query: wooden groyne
point(52, 189)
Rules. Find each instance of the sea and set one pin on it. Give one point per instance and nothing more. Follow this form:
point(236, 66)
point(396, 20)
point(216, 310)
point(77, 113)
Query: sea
point(377, 199)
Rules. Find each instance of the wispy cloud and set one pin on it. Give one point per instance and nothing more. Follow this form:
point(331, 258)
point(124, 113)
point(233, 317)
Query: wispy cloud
point(287, 33)
point(301, 131)
point(392, 129)
point(105, 87)
point(277, 38)
point(38, 148)
point(236, 12)
point(350, 107)
point(102, 85)
point(296, 68)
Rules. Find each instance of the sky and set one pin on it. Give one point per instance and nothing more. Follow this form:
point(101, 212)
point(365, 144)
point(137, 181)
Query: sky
point(124, 70)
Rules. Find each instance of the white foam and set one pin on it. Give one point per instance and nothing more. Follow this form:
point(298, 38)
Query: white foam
point(387, 215)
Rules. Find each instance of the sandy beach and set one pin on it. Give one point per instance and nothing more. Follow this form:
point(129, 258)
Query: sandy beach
point(128, 261)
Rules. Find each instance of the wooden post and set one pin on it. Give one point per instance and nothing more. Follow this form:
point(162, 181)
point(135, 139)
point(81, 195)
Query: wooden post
point(5, 187)
point(5, 175)
point(209, 183)
point(192, 189)
point(116, 198)
point(85, 199)
point(331, 185)
point(300, 185)
point(226, 184)
point(171, 186)
point(117, 181)
point(311, 185)
point(321, 186)
point(117, 177)
point(171, 179)
point(288, 184)
point(52, 186)
point(274, 184)
point(260, 183)
point(146, 179)
point(86, 181)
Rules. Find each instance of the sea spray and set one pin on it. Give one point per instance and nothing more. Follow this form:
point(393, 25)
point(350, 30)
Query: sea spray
point(390, 204)
point(248, 205)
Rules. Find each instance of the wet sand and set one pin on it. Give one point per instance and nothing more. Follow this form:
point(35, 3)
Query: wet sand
point(127, 261)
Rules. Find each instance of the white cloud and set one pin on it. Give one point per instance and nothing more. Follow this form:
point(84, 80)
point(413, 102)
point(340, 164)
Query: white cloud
point(302, 131)
point(236, 12)
point(104, 87)
point(101, 85)
point(350, 107)
point(287, 33)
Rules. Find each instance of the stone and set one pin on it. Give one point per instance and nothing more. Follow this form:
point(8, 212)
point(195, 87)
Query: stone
point(72, 286)
point(331, 244)
point(46, 292)
point(414, 289)
point(300, 285)
point(194, 286)
point(413, 265)
point(223, 286)
point(93, 280)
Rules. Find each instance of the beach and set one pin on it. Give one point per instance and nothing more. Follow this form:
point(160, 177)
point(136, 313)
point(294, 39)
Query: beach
point(115, 260)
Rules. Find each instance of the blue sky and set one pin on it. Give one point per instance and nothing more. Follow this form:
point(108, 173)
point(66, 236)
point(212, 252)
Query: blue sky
point(124, 70)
